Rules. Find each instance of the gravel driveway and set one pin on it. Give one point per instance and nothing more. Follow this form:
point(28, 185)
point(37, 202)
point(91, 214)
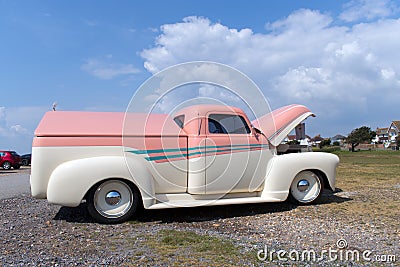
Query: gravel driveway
point(38, 234)
point(34, 233)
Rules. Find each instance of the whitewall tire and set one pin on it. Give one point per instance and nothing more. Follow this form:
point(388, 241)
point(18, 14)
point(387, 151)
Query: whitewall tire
point(306, 188)
point(112, 201)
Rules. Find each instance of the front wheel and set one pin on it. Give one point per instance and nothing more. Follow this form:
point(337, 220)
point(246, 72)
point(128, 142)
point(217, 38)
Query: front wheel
point(112, 201)
point(6, 165)
point(306, 188)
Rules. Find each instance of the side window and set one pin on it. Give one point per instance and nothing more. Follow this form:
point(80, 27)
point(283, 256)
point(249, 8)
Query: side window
point(180, 120)
point(227, 124)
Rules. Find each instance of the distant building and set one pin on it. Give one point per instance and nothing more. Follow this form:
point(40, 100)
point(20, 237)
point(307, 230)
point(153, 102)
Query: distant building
point(387, 136)
point(316, 140)
point(338, 138)
point(291, 137)
point(382, 136)
point(393, 132)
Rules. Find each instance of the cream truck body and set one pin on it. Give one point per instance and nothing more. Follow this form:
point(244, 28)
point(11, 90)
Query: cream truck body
point(202, 155)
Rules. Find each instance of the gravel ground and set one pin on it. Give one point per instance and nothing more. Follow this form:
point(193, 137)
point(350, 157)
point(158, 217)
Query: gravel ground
point(34, 233)
point(38, 234)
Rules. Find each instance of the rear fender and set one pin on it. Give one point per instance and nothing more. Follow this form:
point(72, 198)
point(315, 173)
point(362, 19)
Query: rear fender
point(70, 181)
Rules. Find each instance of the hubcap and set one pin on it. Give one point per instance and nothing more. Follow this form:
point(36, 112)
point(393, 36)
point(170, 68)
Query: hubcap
point(306, 187)
point(113, 198)
point(303, 185)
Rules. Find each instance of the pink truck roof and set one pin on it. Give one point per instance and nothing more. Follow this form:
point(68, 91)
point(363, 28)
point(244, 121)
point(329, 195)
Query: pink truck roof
point(63, 124)
point(74, 123)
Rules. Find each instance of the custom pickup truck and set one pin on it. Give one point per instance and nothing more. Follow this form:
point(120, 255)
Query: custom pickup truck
point(200, 155)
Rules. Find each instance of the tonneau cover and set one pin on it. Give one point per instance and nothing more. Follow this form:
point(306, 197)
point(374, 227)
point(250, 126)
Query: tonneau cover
point(85, 124)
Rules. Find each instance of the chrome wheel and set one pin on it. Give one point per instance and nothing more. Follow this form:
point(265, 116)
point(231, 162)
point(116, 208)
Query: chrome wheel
point(112, 201)
point(306, 187)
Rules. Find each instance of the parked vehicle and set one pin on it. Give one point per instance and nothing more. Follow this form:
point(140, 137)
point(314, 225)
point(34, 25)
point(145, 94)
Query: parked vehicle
point(26, 159)
point(9, 159)
point(201, 155)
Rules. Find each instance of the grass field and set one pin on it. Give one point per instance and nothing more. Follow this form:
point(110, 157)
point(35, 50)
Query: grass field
point(371, 179)
point(368, 186)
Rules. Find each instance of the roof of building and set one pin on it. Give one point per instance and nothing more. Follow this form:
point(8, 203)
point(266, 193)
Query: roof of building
point(396, 124)
point(317, 138)
point(338, 137)
point(381, 131)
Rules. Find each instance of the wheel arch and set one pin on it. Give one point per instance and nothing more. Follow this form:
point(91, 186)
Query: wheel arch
point(131, 184)
point(324, 177)
point(283, 169)
point(71, 181)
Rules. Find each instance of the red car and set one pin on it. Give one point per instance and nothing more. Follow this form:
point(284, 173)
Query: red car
point(9, 159)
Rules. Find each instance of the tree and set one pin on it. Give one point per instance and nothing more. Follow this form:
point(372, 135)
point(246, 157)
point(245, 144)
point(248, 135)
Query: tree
point(325, 142)
point(398, 141)
point(336, 143)
point(360, 135)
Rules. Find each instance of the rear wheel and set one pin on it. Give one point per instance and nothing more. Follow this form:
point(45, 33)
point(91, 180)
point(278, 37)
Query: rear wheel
point(306, 188)
point(16, 167)
point(6, 165)
point(112, 201)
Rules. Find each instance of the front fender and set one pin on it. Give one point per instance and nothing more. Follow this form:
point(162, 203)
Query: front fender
point(283, 168)
point(70, 181)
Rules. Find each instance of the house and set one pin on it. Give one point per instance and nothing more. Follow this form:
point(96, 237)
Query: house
point(291, 137)
point(382, 136)
point(393, 132)
point(387, 136)
point(316, 140)
point(299, 136)
point(338, 138)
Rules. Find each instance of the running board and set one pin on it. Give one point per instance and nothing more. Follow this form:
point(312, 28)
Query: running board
point(190, 202)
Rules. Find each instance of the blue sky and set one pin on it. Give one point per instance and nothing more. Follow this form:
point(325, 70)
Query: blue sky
point(340, 58)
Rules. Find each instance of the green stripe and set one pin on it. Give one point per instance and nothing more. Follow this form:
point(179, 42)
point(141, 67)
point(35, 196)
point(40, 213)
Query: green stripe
point(201, 152)
point(152, 151)
point(157, 150)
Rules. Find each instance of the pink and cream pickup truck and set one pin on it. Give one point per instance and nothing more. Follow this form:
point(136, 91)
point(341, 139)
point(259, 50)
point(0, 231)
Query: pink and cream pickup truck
point(201, 155)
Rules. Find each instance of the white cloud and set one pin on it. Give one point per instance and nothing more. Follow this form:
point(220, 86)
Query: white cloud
point(17, 125)
point(290, 41)
point(91, 23)
point(303, 20)
point(305, 58)
point(357, 10)
point(152, 29)
point(18, 129)
point(218, 93)
point(104, 69)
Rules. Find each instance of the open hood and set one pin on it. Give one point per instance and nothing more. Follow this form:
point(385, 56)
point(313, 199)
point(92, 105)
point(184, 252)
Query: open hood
point(280, 122)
